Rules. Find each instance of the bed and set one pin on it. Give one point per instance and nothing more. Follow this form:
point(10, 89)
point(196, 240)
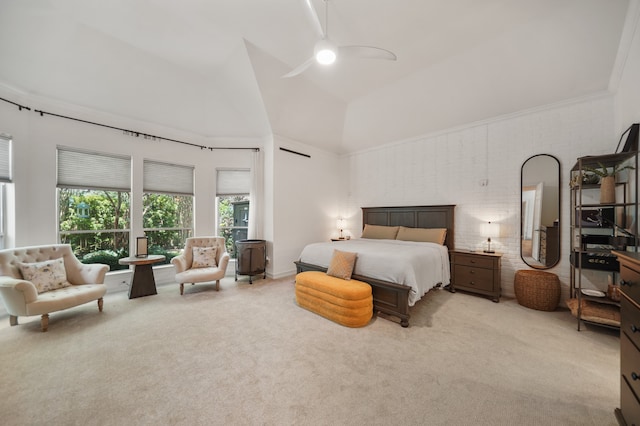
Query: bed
point(390, 268)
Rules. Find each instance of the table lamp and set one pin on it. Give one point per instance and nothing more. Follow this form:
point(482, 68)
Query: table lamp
point(490, 229)
point(340, 225)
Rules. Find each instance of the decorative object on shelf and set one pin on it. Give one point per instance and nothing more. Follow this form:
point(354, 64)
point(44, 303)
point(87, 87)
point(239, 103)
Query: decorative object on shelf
point(613, 292)
point(586, 178)
point(593, 293)
point(590, 179)
point(340, 225)
point(608, 180)
point(490, 229)
point(142, 247)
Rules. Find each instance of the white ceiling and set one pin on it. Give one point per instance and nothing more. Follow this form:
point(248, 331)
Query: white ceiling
point(214, 67)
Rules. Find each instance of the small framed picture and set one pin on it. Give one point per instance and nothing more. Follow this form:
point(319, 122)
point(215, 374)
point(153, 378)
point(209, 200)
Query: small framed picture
point(141, 247)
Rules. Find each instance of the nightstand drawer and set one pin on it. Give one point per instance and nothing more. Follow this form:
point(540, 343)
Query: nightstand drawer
point(474, 277)
point(473, 260)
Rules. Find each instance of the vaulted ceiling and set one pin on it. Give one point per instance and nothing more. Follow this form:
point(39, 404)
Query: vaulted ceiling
point(215, 67)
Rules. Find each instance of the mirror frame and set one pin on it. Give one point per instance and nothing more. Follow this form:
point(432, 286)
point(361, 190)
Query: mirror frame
point(522, 169)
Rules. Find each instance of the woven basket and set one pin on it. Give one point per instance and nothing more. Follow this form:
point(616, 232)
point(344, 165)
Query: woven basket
point(537, 289)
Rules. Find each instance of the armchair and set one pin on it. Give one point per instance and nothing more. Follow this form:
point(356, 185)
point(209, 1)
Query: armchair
point(198, 263)
point(39, 280)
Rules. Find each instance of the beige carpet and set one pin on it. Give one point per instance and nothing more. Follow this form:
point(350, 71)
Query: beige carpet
point(248, 355)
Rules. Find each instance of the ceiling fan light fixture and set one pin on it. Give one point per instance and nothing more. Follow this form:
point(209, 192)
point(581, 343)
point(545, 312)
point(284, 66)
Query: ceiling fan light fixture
point(325, 52)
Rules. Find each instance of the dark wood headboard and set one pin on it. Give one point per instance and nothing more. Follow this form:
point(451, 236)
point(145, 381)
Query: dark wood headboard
point(414, 217)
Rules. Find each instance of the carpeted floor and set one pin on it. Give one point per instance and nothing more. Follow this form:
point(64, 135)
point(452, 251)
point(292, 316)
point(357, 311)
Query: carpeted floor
point(248, 355)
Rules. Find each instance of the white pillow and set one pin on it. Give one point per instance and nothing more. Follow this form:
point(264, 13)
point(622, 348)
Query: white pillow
point(47, 275)
point(204, 257)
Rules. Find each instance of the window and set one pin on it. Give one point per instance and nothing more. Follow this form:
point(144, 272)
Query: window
point(94, 205)
point(232, 191)
point(5, 177)
point(168, 207)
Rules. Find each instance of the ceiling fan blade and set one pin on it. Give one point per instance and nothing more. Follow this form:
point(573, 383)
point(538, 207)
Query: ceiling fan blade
point(313, 17)
point(367, 52)
point(300, 68)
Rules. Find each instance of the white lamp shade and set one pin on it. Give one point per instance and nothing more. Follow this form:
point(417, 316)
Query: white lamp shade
point(340, 223)
point(490, 230)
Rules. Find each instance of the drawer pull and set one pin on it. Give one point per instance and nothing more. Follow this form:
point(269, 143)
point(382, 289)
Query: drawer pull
point(633, 328)
point(634, 376)
point(624, 282)
point(472, 261)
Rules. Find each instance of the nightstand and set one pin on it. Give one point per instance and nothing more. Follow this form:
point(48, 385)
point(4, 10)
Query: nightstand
point(476, 272)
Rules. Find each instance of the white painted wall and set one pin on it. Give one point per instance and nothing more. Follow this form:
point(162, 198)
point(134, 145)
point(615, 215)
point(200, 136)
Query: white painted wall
point(308, 197)
point(447, 168)
point(628, 89)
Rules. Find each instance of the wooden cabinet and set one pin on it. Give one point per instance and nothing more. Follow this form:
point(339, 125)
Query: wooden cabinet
point(629, 411)
point(476, 272)
point(602, 220)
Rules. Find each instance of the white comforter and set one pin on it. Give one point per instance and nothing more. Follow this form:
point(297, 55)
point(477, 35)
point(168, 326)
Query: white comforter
point(420, 266)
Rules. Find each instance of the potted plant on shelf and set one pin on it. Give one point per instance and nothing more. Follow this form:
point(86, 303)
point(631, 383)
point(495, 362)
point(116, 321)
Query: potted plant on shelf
point(608, 180)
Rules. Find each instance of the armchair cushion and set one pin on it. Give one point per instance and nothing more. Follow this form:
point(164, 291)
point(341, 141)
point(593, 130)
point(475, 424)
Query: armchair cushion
point(47, 275)
point(204, 257)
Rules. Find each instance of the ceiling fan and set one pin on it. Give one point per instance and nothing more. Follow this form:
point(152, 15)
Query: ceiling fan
point(326, 52)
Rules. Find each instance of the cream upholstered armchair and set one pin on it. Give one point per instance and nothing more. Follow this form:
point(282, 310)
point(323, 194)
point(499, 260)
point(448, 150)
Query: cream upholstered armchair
point(204, 259)
point(39, 280)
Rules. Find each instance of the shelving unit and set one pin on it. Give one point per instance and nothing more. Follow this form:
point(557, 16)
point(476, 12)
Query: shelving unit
point(597, 229)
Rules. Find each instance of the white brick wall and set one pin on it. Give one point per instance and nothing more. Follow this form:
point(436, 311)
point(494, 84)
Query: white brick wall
point(447, 169)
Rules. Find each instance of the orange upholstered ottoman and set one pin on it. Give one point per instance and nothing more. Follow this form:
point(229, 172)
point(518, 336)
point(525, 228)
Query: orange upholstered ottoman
point(347, 302)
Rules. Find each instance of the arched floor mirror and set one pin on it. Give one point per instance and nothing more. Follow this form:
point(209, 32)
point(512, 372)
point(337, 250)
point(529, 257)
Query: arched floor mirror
point(540, 211)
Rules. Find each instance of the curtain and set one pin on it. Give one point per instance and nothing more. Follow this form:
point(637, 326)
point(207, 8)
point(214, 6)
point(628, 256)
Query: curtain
point(256, 216)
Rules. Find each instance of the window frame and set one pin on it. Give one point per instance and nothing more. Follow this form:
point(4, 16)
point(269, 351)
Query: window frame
point(95, 163)
point(173, 180)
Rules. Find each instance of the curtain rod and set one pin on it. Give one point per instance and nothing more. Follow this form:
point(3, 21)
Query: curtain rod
point(127, 131)
point(295, 152)
point(13, 103)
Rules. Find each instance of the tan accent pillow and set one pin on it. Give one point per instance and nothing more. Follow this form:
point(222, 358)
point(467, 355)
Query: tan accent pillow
point(204, 257)
point(342, 264)
point(380, 232)
point(424, 235)
point(46, 276)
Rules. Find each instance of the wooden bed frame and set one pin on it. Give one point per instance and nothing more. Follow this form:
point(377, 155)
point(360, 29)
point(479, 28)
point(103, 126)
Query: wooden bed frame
point(391, 298)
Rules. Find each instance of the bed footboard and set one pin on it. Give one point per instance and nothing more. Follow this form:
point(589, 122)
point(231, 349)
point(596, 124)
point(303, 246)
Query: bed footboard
point(388, 298)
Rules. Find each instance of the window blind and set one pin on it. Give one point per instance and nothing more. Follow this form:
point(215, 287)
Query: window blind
point(82, 169)
point(233, 182)
point(167, 178)
point(5, 158)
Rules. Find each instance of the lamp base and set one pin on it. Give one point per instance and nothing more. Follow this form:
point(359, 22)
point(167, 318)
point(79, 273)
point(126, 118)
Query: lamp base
point(489, 251)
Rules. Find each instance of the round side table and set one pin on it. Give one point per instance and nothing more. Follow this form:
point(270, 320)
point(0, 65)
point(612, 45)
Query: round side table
point(142, 283)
